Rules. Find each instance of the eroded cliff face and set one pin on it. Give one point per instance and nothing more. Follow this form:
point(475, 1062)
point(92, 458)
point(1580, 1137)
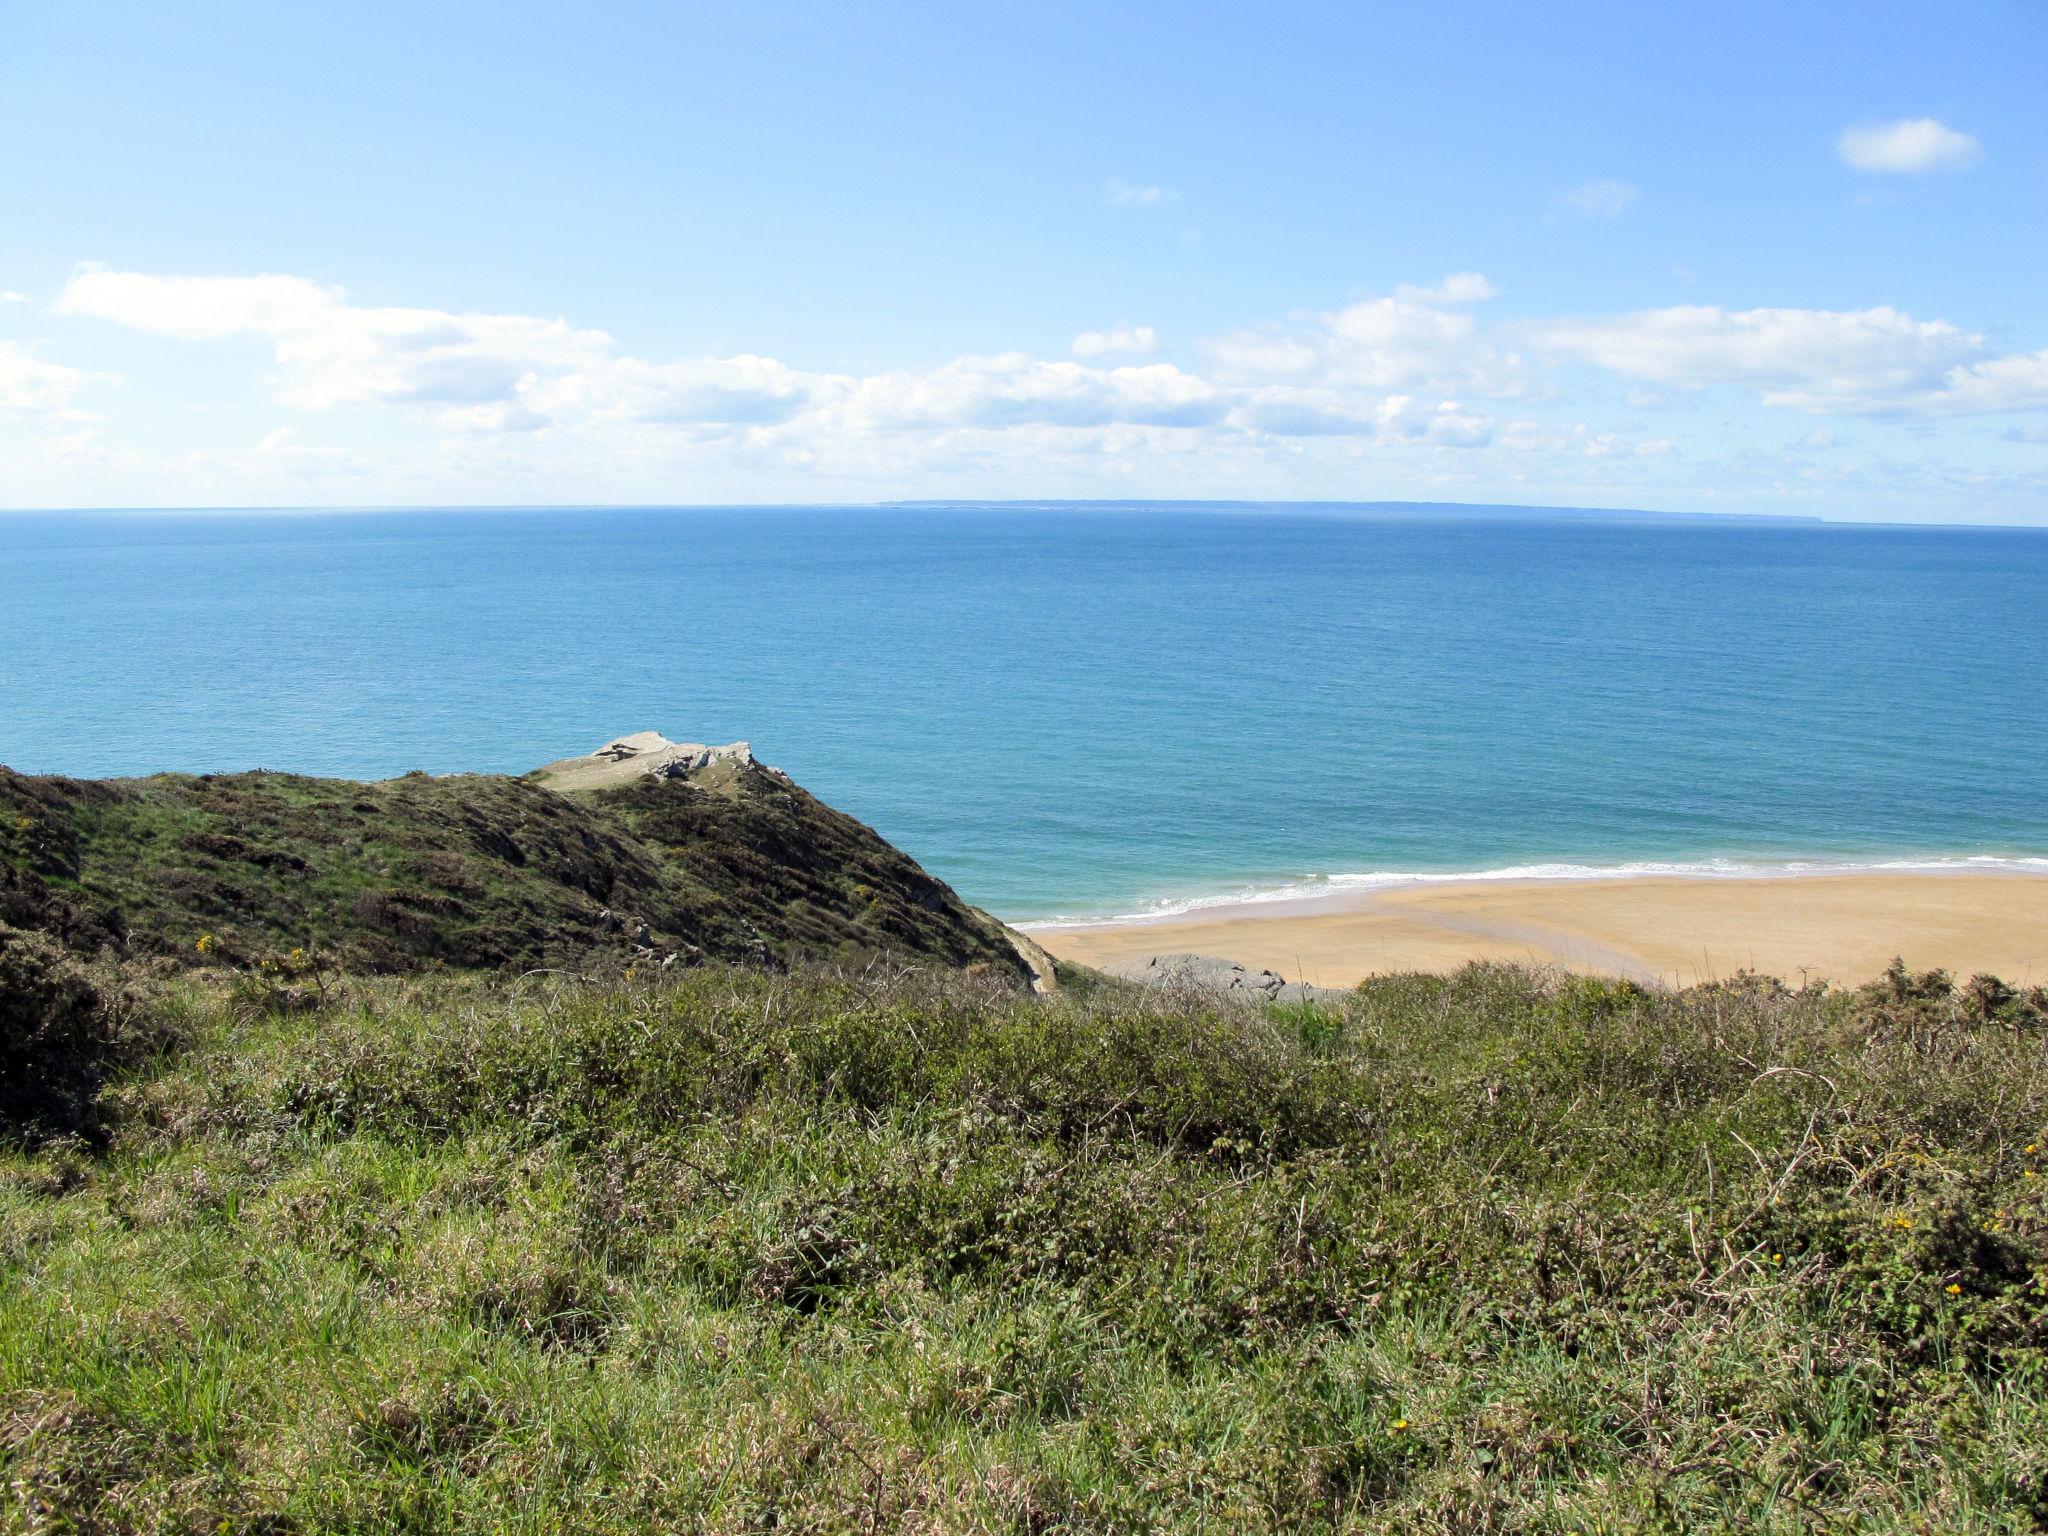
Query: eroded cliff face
point(664, 851)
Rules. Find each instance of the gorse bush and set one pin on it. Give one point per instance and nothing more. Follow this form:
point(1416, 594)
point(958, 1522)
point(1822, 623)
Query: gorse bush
point(888, 1250)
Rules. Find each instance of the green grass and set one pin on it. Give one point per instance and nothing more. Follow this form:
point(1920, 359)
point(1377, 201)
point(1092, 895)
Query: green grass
point(844, 1251)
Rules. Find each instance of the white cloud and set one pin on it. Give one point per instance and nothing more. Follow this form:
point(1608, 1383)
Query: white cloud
point(1139, 340)
point(9, 296)
point(197, 307)
point(484, 373)
point(1413, 376)
point(478, 370)
point(28, 383)
point(1911, 144)
point(1014, 389)
point(744, 390)
point(1854, 361)
point(284, 451)
point(1398, 341)
point(335, 353)
point(1600, 199)
point(1458, 288)
point(1127, 195)
point(2015, 383)
point(1416, 341)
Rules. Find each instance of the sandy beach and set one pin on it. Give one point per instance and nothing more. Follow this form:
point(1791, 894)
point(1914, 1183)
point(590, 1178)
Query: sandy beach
point(1844, 927)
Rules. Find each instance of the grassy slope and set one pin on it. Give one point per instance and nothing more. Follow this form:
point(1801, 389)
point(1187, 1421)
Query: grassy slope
point(832, 1252)
point(471, 871)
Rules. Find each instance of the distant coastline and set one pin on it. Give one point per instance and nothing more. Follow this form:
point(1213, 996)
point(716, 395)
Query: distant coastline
point(1459, 511)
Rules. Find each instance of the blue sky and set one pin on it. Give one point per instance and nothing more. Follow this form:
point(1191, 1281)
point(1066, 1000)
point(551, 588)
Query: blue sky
point(1739, 258)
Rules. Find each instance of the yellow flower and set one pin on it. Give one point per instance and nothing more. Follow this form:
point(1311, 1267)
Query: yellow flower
point(1777, 1258)
point(298, 955)
point(2033, 1147)
point(1955, 1290)
point(203, 943)
point(1902, 1221)
point(1399, 1425)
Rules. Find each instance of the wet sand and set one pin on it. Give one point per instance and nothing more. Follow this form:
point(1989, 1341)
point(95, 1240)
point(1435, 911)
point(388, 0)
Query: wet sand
point(1845, 928)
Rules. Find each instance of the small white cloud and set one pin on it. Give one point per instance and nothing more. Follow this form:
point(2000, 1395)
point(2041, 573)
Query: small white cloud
point(1140, 340)
point(1600, 199)
point(9, 296)
point(1817, 441)
point(198, 308)
point(1127, 195)
point(1458, 288)
point(2025, 434)
point(1911, 144)
point(27, 383)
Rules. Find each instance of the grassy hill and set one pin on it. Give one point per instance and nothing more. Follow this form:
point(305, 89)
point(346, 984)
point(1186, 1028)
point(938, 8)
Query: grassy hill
point(472, 871)
point(851, 1251)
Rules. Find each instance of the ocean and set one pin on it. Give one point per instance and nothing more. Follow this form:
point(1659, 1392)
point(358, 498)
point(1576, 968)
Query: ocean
point(1103, 710)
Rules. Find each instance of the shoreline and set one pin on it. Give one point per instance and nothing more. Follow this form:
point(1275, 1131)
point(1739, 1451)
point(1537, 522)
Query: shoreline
point(1842, 924)
point(1311, 893)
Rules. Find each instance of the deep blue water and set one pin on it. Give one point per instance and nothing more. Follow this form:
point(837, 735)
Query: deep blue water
point(1086, 711)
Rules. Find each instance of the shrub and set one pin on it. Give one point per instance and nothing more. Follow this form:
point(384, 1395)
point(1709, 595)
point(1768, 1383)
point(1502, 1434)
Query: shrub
point(60, 1032)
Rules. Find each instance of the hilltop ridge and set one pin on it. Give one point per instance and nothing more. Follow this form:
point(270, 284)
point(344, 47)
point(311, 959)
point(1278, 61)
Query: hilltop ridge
point(675, 852)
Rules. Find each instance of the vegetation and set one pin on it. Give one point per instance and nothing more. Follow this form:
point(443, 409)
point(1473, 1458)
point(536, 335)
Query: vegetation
point(876, 1248)
point(471, 871)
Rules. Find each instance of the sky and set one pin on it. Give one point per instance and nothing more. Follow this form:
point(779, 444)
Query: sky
point(1781, 258)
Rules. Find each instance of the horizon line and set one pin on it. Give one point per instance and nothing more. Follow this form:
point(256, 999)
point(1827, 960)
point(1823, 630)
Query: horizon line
point(1506, 510)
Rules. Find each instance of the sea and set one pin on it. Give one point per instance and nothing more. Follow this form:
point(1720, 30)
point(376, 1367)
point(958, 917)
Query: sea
point(1100, 711)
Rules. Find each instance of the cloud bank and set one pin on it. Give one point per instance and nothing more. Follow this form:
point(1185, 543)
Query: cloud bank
point(1425, 375)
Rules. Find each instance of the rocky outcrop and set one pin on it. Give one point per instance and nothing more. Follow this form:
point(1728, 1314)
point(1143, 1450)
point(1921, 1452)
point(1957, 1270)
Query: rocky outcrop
point(1226, 978)
point(643, 754)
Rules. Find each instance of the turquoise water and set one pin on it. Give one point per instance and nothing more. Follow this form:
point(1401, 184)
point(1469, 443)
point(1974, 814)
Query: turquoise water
point(1096, 711)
